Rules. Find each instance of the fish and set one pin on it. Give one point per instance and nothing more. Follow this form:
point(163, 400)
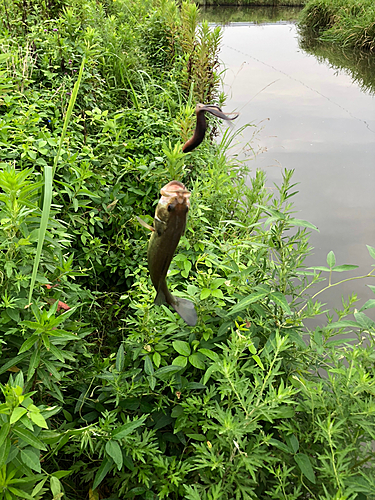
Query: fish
point(168, 227)
point(201, 125)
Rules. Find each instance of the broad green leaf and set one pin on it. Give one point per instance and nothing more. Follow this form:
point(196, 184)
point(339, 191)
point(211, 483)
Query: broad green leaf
point(17, 414)
point(103, 470)
point(156, 359)
point(368, 305)
point(31, 459)
point(331, 259)
point(114, 451)
point(4, 431)
point(244, 303)
point(180, 361)
point(181, 347)
point(166, 372)
point(305, 466)
point(217, 293)
point(292, 442)
point(344, 267)
point(258, 361)
point(29, 438)
point(149, 368)
point(28, 343)
point(210, 354)
point(341, 324)
point(209, 372)
point(20, 493)
point(371, 251)
point(38, 419)
point(4, 451)
point(38, 487)
point(197, 361)
point(120, 358)
point(128, 428)
point(55, 485)
point(280, 445)
point(364, 321)
point(205, 293)
point(280, 301)
point(302, 223)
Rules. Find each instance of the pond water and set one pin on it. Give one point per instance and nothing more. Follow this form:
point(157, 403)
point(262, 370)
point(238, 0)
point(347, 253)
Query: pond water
point(316, 117)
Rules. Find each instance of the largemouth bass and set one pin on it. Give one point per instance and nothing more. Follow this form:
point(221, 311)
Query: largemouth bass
point(169, 226)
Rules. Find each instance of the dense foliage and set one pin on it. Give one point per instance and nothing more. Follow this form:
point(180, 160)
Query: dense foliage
point(348, 23)
point(104, 394)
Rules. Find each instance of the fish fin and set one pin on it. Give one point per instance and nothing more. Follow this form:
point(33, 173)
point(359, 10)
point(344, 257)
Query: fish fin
point(185, 308)
point(144, 224)
point(216, 111)
point(160, 298)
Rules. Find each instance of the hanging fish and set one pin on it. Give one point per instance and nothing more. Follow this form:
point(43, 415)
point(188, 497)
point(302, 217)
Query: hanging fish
point(201, 125)
point(169, 226)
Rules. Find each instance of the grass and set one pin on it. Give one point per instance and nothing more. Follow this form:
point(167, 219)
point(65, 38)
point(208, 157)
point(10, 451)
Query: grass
point(349, 23)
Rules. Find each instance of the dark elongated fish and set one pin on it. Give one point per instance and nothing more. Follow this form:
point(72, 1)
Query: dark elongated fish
point(201, 125)
point(169, 226)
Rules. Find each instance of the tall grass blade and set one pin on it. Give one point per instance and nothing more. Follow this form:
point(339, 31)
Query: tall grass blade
point(49, 173)
point(72, 101)
point(43, 225)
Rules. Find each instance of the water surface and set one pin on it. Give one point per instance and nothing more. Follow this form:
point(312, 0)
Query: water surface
point(317, 118)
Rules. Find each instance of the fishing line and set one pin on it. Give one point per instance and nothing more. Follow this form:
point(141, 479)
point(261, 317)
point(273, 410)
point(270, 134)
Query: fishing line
point(298, 81)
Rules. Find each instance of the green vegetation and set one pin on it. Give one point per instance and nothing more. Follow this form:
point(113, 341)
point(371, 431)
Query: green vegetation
point(250, 14)
point(359, 65)
point(348, 23)
point(254, 3)
point(103, 394)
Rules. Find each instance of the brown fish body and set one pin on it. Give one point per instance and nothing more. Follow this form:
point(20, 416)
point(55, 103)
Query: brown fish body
point(201, 126)
point(169, 226)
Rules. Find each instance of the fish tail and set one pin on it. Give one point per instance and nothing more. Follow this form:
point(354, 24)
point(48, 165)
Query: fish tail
point(185, 308)
point(160, 298)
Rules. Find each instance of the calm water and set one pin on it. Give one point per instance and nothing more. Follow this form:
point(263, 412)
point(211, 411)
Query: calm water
point(315, 119)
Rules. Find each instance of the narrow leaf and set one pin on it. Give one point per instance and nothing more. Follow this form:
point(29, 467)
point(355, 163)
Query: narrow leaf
point(29, 438)
point(280, 301)
point(254, 297)
point(128, 428)
point(102, 471)
point(43, 225)
point(5, 428)
point(302, 223)
point(344, 267)
point(331, 259)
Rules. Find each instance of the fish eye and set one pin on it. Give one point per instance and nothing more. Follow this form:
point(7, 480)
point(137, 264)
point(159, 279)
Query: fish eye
point(170, 207)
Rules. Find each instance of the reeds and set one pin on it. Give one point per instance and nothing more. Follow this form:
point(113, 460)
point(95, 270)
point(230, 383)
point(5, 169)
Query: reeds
point(349, 23)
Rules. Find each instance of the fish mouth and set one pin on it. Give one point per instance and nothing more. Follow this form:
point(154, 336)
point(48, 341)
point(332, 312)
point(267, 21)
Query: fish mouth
point(175, 192)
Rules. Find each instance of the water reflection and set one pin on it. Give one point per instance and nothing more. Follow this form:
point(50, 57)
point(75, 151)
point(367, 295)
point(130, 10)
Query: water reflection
point(316, 120)
point(246, 14)
point(360, 66)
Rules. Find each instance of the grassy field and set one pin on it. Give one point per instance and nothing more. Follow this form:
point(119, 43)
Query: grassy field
point(348, 23)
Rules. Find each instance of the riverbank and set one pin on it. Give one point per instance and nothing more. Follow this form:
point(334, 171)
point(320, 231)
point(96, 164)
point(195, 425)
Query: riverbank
point(349, 23)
